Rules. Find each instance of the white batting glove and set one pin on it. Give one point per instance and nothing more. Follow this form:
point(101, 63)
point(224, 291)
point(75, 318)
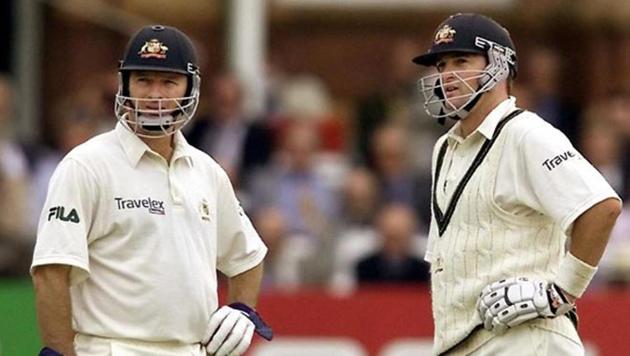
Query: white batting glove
point(229, 332)
point(510, 302)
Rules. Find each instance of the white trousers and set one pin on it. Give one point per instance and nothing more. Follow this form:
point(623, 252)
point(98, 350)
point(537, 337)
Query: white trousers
point(96, 346)
point(528, 339)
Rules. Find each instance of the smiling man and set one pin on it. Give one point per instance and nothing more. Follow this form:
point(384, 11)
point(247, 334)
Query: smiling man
point(509, 190)
point(137, 222)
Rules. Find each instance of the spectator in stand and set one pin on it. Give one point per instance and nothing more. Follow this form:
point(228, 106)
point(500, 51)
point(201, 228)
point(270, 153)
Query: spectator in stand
point(391, 101)
point(607, 146)
point(293, 185)
point(399, 182)
point(238, 143)
point(93, 99)
point(361, 200)
point(618, 114)
point(357, 237)
point(74, 125)
point(543, 72)
point(16, 239)
point(305, 97)
point(602, 146)
point(395, 261)
point(284, 260)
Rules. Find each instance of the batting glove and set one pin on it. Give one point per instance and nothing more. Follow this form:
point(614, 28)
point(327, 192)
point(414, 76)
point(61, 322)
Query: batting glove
point(510, 302)
point(47, 351)
point(229, 332)
point(231, 328)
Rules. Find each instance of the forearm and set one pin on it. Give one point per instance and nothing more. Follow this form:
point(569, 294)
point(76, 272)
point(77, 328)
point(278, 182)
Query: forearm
point(588, 241)
point(52, 300)
point(245, 287)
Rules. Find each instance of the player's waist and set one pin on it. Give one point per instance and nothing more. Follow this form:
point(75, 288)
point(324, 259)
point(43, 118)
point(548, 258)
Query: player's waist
point(104, 346)
point(565, 325)
point(454, 291)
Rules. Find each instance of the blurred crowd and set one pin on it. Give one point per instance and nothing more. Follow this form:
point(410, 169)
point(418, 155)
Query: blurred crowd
point(341, 199)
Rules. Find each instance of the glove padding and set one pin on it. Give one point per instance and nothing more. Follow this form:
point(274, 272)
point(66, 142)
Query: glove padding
point(229, 332)
point(510, 302)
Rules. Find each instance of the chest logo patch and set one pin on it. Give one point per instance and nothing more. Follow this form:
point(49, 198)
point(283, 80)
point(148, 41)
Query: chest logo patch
point(204, 210)
point(153, 206)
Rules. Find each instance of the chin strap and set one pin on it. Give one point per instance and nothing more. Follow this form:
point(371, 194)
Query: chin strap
point(461, 114)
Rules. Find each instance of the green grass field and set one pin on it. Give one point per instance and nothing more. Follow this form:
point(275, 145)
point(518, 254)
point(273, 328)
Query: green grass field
point(18, 328)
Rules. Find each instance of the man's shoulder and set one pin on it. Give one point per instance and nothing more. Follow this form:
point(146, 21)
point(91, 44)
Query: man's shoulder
point(97, 149)
point(205, 161)
point(201, 156)
point(533, 135)
point(527, 123)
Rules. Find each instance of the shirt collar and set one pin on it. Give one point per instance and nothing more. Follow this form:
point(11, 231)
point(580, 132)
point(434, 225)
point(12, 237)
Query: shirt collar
point(495, 116)
point(489, 124)
point(182, 148)
point(135, 148)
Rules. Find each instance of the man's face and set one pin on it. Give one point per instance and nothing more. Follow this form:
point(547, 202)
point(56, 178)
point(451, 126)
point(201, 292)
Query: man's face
point(460, 74)
point(157, 85)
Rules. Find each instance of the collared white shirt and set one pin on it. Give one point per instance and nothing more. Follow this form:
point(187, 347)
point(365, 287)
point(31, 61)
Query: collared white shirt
point(144, 237)
point(540, 171)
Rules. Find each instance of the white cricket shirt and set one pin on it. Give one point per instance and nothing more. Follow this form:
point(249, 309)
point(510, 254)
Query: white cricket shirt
point(144, 238)
point(511, 219)
point(540, 171)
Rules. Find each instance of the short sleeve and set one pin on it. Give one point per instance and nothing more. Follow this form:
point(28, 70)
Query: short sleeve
point(557, 179)
point(66, 219)
point(239, 248)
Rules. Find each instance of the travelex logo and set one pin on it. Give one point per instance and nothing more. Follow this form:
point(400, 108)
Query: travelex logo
point(554, 162)
point(63, 214)
point(154, 206)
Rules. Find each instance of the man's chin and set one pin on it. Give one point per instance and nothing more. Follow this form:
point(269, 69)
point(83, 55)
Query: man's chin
point(456, 103)
point(452, 107)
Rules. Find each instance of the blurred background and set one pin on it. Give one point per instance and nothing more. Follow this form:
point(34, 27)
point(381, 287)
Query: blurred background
point(311, 107)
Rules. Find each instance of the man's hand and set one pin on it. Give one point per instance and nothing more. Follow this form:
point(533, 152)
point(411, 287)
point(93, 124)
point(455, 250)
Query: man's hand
point(510, 302)
point(229, 332)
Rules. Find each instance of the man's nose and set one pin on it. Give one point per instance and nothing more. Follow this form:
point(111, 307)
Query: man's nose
point(155, 91)
point(448, 76)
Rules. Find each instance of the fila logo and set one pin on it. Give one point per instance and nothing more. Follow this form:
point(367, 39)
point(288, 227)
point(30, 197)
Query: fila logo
point(154, 206)
point(554, 162)
point(59, 212)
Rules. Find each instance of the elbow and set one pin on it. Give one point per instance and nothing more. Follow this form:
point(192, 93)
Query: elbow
point(615, 211)
point(611, 209)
